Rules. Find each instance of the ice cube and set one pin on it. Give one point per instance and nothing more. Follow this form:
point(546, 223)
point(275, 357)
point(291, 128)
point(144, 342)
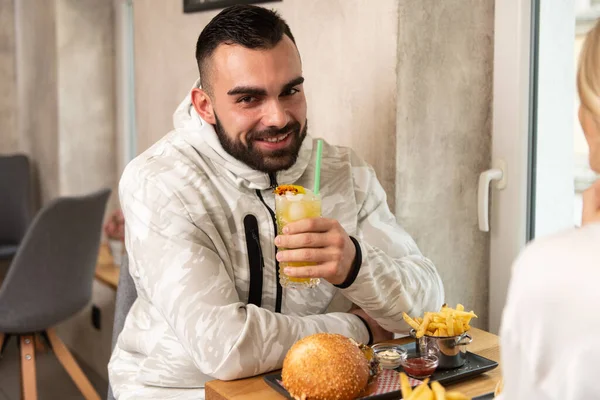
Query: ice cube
point(297, 211)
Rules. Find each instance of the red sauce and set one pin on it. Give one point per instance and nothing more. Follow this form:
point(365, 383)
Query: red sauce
point(418, 367)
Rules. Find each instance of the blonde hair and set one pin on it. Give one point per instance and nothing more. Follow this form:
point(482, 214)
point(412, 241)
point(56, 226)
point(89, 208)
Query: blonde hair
point(588, 73)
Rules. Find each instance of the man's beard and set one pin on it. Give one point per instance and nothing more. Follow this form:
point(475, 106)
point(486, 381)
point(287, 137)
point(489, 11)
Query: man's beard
point(270, 162)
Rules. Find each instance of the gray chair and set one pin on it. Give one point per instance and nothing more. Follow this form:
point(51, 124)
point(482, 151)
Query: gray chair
point(15, 202)
point(126, 295)
point(50, 279)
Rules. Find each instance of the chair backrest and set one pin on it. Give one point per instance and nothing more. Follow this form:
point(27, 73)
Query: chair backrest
point(126, 295)
point(15, 198)
point(52, 273)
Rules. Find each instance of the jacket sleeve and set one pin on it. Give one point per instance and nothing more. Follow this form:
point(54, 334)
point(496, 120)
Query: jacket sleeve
point(177, 269)
point(393, 276)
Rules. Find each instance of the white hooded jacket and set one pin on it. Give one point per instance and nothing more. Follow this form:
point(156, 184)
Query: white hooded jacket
point(199, 234)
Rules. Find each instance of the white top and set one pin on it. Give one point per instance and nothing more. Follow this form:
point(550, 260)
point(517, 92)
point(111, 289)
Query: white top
point(550, 330)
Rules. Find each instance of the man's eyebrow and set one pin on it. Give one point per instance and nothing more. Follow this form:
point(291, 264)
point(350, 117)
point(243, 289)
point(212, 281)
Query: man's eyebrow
point(294, 82)
point(256, 91)
point(250, 90)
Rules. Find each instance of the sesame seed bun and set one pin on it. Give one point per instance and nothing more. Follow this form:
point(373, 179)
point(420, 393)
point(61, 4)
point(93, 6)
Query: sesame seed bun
point(325, 366)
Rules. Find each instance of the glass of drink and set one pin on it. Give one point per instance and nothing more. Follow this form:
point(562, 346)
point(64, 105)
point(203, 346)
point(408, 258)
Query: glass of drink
point(293, 203)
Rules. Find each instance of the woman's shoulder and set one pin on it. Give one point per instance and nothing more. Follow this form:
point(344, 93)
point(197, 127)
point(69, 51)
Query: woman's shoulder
point(572, 244)
point(554, 275)
point(557, 266)
point(552, 300)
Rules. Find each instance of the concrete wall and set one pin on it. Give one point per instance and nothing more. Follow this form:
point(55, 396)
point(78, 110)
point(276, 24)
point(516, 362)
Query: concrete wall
point(348, 49)
point(58, 102)
point(86, 95)
point(58, 106)
point(87, 153)
point(37, 86)
point(9, 138)
point(445, 60)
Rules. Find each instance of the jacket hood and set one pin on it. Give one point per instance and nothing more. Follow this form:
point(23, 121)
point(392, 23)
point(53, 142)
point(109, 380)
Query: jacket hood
point(202, 137)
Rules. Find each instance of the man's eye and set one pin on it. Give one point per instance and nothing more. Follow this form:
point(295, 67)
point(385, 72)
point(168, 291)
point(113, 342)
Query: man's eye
point(246, 99)
point(290, 92)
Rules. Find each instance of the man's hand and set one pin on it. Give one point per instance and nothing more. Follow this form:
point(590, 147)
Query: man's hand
point(591, 204)
point(317, 240)
point(379, 334)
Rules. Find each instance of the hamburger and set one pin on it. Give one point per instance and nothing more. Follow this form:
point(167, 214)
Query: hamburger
point(327, 366)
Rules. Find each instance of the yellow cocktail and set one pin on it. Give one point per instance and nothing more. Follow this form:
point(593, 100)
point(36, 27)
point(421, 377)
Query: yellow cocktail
point(293, 203)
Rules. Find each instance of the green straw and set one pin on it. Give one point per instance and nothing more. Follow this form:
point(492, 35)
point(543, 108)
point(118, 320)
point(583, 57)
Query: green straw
point(318, 166)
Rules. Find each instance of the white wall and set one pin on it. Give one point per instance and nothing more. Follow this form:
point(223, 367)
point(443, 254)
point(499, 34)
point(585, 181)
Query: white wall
point(348, 48)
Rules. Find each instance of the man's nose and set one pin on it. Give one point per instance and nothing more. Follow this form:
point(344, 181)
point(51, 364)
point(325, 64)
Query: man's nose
point(275, 115)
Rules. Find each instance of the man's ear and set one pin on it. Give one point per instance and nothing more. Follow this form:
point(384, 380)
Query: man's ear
point(203, 105)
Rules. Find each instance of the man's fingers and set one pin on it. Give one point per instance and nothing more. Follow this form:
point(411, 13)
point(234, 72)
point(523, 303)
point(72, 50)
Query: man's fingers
point(301, 240)
point(299, 255)
point(308, 225)
point(308, 255)
point(318, 255)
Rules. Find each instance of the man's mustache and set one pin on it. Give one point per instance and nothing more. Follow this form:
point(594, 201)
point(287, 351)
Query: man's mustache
point(289, 128)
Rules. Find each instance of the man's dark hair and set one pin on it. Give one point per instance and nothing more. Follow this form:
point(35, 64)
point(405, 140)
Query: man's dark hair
point(245, 25)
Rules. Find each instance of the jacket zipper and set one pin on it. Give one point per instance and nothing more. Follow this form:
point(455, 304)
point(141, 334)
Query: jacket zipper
point(255, 260)
point(273, 183)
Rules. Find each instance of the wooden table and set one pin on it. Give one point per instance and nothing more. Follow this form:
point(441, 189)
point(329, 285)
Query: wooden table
point(106, 270)
point(484, 343)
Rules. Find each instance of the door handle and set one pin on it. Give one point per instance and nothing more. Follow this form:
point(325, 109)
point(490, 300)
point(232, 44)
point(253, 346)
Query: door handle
point(498, 173)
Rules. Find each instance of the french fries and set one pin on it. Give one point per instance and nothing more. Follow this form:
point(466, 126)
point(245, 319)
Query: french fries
point(447, 322)
point(438, 390)
point(405, 385)
point(411, 322)
point(499, 388)
point(423, 327)
point(424, 392)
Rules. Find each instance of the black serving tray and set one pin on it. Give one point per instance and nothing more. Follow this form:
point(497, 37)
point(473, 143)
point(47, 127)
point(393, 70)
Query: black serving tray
point(474, 365)
point(489, 396)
